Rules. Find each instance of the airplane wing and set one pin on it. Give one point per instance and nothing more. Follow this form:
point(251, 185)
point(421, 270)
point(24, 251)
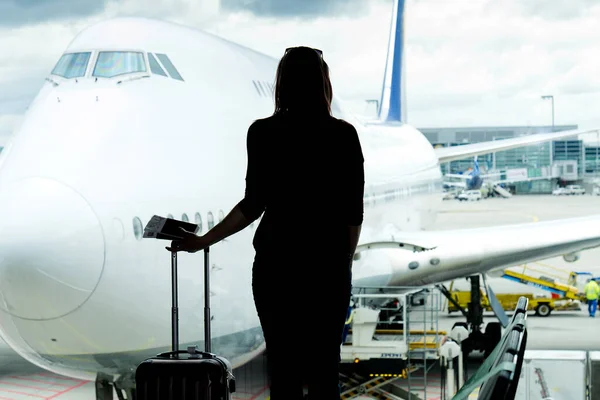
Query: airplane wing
point(446, 154)
point(456, 184)
point(430, 257)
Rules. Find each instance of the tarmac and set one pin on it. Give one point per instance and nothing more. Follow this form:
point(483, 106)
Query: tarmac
point(573, 330)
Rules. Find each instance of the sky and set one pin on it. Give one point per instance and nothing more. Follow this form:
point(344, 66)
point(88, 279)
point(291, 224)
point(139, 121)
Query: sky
point(468, 62)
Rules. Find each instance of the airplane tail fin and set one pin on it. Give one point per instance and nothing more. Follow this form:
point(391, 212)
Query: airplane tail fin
point(392, 107)
point(476, 163)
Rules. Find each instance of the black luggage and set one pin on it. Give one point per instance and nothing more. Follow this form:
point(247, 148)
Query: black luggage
point(186, 375)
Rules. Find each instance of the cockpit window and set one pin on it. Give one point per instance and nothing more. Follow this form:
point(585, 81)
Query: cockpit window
point(155, 66)
point(114, 63)
point(169, 66)
point(72, 65)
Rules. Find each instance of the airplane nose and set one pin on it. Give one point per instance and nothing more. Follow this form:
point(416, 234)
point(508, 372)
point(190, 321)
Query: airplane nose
point(51, 249)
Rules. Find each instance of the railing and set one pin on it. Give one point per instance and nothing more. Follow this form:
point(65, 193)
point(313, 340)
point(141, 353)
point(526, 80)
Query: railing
point(420, 308)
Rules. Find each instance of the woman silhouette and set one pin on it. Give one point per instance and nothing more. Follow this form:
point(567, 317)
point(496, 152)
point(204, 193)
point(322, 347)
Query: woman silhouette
point(305, 172)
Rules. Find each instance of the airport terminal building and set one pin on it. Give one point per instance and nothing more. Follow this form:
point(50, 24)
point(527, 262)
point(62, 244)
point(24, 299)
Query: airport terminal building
point(538, 169)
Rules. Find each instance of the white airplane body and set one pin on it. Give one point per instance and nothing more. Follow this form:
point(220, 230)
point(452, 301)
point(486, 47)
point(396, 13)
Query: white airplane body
point(94, 159)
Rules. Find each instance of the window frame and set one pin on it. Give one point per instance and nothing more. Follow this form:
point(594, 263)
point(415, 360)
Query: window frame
point(162, 68)
point(91, 60)
point(210, 220)
point(120, 76)
point(156, 54)
point(198, 220)
point(134, 222)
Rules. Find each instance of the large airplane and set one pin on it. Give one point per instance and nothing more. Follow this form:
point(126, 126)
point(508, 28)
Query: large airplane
point(142, 117)
point(472, 178)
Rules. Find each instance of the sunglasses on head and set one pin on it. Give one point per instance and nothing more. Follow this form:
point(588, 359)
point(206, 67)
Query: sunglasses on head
point(319, 52)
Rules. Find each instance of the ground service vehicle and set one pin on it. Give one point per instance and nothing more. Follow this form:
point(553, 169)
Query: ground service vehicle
point(542, 306)
point(471, 195)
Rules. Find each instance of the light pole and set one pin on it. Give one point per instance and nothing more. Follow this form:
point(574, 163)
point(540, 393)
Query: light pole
point(551, 98)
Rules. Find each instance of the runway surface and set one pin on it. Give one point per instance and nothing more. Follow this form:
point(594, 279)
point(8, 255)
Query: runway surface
point(559, 331)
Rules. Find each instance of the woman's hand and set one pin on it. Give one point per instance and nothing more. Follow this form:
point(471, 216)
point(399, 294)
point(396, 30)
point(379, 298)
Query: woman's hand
point(190, 243)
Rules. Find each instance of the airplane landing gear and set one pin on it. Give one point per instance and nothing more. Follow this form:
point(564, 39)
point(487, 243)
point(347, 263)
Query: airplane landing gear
point(480, 340)
point(484, 341)
point(124, 386)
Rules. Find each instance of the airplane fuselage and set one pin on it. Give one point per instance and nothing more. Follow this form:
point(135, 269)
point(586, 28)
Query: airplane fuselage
point(95, 158)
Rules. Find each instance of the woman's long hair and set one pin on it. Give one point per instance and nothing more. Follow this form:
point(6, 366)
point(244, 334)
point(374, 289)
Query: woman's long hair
point(302, 82)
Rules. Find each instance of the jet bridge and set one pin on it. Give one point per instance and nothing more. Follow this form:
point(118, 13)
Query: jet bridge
point(393, 333)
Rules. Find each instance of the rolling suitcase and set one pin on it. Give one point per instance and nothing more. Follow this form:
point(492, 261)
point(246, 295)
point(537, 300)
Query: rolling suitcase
point(186, 374)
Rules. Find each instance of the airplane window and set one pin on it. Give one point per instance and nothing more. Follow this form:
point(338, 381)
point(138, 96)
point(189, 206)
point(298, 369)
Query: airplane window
point(270, 89)
point(72, 65)
point(138, 229)
point(262, 89)
point(155, 66)
point(114, 63)
point(185, 218)
point(166, 62)
point(221, 215)
point(198, 219)
point(210, 220)
point(256, 87)
point(170, 216)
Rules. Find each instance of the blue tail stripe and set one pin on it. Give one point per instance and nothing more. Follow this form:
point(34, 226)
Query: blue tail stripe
point(395, 110)
point(392, 107)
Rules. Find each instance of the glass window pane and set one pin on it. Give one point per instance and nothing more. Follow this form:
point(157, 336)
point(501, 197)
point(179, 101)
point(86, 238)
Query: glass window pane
point(155, 66)
point(138, 228)
point(72, 65)
point(169, 66)
point(114, 63)
point(198, 219)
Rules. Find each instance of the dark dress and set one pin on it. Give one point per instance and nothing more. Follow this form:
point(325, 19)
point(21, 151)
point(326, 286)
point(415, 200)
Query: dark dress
point(307, 176)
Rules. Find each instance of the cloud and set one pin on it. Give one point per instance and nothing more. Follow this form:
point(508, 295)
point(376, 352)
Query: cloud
point(479, 62)
point(353, 46)
point(8, 122)
point(23, 12)
point(27, 54)
point(554, 10)
point(197, 13)
point(296, 8)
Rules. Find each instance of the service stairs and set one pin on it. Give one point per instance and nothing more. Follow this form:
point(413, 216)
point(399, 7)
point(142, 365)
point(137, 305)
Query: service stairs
point(389, 351)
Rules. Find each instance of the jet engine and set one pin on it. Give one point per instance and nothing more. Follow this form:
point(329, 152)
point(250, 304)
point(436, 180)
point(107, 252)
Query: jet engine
point(572, 257)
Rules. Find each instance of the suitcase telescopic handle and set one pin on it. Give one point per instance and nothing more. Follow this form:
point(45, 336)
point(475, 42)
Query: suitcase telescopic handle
point(175, 306)
point(207, 338)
